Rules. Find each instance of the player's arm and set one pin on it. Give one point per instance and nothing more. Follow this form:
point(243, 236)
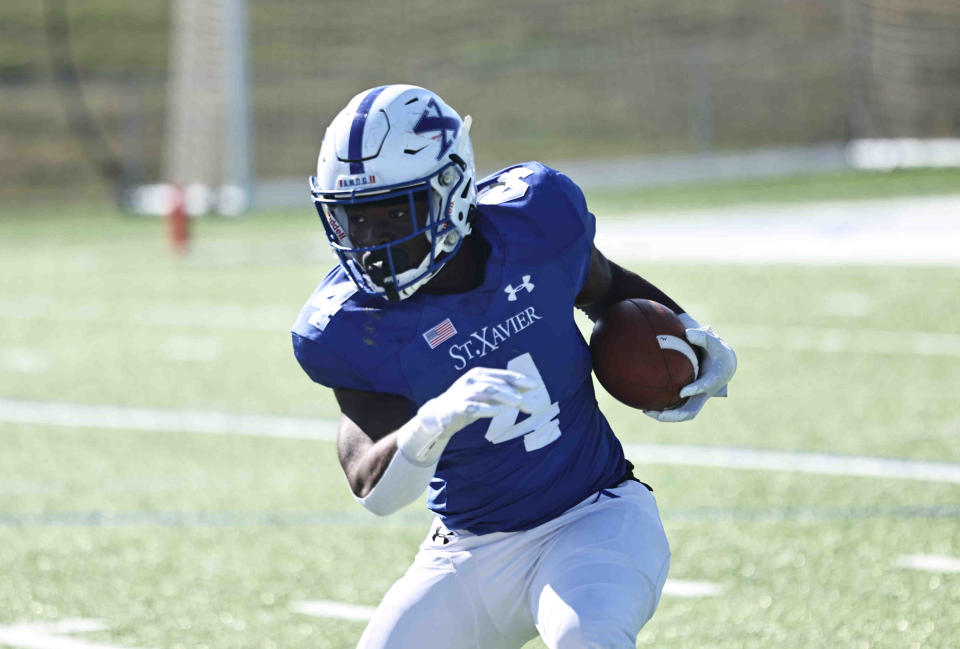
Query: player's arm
point(608, 283)
point(389, 448)
point(366, 439)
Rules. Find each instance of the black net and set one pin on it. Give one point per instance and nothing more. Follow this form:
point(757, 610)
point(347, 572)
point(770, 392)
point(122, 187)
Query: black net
point(544, 79)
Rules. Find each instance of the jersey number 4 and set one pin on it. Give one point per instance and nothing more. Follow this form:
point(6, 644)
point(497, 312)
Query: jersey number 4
point(541, 427)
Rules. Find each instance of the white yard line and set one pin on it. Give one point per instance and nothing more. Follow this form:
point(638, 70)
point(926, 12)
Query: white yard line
point(877, 342)
point(229, 317)
point(328, 608)
point(912, 230)
point(845, 304)
point(155, 420)
point(192, 349)
point(51, 635)
point(818, 463)
point(827, 340)
point(274, 318)
point(23, 360)
point(340, 610)
point(684, 588)
point(929, 562)
point(221, 423)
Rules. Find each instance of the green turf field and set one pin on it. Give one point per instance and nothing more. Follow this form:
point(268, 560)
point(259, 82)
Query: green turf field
point(185, 540)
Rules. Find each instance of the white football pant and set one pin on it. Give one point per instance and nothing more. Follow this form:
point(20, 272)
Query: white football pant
point(589, 579)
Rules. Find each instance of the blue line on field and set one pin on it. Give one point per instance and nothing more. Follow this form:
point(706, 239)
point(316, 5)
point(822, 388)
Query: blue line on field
point(208, 519)
point(799, 513)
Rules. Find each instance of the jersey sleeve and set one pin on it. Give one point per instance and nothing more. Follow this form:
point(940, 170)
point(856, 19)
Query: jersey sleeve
point(318, 343)
point(326, 367)
point(580, 249)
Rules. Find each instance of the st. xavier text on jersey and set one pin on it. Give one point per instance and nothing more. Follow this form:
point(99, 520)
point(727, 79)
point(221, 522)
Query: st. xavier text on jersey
point(488, 339)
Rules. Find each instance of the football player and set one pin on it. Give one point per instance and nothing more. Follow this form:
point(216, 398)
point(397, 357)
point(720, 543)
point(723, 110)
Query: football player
point(447, 335)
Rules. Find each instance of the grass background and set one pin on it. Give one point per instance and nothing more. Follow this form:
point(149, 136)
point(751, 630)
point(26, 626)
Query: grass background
point(185, 540)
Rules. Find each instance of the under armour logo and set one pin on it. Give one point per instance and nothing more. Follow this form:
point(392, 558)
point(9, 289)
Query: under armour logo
point(433, 120)
point(440, 537)
point(512, 292)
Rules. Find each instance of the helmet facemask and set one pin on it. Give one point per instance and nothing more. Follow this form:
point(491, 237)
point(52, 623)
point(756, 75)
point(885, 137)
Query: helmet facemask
point(386, 268)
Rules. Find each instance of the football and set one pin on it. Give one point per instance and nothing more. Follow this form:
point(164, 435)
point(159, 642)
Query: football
point(641, 355)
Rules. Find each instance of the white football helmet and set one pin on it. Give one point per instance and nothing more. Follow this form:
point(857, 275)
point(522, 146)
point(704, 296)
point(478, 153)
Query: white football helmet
point(393, 142)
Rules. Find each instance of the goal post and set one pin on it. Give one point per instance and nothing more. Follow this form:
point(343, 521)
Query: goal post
point(670, 86)
point(208, 129)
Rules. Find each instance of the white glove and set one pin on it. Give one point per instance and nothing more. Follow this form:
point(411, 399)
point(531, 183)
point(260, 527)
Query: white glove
point(716, 369)
point(478, 393)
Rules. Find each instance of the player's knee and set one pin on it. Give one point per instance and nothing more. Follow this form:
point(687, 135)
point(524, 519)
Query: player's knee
point(602, 617)
point(593, 634)
point(427, 607)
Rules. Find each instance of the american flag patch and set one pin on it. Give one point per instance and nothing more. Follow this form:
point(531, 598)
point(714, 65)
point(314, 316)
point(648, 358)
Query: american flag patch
point(440, 333)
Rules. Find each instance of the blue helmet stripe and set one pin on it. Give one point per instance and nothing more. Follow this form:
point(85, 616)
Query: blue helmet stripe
point(355, 146)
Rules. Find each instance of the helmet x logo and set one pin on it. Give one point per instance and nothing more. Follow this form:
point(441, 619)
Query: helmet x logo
point(433, 120)
point(512, 292)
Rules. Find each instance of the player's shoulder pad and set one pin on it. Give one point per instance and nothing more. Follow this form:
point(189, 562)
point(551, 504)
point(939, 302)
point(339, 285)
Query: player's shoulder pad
point(346, 338)
point(326, 302)
point(321, 330)
point(539, 211)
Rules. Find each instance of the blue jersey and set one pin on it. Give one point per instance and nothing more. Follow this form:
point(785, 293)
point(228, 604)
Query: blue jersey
point(514, 471)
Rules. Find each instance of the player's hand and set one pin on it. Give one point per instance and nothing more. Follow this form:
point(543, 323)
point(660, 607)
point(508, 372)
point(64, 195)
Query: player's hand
point(478, 393)
point(717, 367)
